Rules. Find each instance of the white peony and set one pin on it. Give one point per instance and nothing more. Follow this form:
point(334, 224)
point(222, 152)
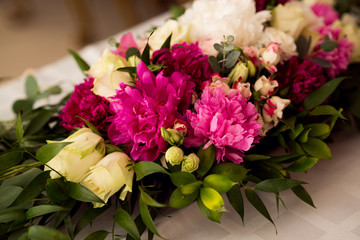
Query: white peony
point(212, 19)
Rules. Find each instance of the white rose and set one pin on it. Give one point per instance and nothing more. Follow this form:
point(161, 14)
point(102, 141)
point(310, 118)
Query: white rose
point(107, 78)
point(180, 34)
point(174, 155)
point(109, 175)
point(351, 31)
point(190, 163)
point(312, 2)
point(75, 159)
point(266, 86)
point(273, 109)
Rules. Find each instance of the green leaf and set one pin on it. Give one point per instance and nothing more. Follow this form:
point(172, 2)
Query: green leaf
point(211, 215)
point(191, 187)
point(132, 52)
point(322, 93)
point(147, 219)
point(302, 46)
point(214, 63)
point(124, 220)
point(81, 193)
point(326, 110)
point(180, 200)
point(23, 106)
point(45, 233)
point(19, 130)
point(182, 178)
point(81, 63)
point(297, 131)
point(304, 136)
point(11, 215)
point(145, 168)
point(232, 59)
point(328, 45)
point(49, 151)
point(38, 122)
point(8, 194)
point(23, 179)
point(69, 226)
point(284, 158)
point(318, 129)
point(322, 62)
point(87, 217)
point(234, 172)
point(98, 235)
point(145, 56)
point(131, 70)
point(317, 148)
point(220, 183)
point(301, 193)
point(302, 164)
point(207, 158)
point(212, 199)
point(166, 44)
point(176, 11)
point(33, 189)
point(148, 200)
point(42, 210)
point(54, 90)
point(56, 190)
point(90, 125)
point(31, 87)
point(255, 157)
point(236, 200)
point(277, 185)
point(10, 159)
point(296, 148)
point(256, 201)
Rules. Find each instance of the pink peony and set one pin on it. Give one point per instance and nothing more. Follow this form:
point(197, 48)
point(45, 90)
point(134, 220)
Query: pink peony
point(84, 103)
point(140, 112)
point(302, 78)
point(127, 41)
point(327, 12)
point(187, 59)
point(340, 56)
point(229, 122)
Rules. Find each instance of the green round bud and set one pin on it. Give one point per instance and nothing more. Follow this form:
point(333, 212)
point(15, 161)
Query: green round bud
point(190, 163)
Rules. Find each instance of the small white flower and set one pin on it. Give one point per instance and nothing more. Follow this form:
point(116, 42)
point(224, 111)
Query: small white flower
point(273, 109)
point(174, 155)
point(266, 86)
point(190, 163)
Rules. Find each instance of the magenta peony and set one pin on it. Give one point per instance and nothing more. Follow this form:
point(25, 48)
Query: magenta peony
point(187, 59)
point(340, 56)
point(303, 77)
point(229, 122)
point(127, 41)
point(84, 103)
point(327, 12)
point(141, 111)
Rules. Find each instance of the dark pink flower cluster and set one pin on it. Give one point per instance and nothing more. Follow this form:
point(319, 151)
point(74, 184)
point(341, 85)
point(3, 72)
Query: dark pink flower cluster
point(141, 111)
point(229, 122)
point(303, 77)
point(84, 103)
point(327, 12)
point(187, 59)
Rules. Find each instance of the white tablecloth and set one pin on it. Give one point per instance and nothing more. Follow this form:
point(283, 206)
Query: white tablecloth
point(333, 184)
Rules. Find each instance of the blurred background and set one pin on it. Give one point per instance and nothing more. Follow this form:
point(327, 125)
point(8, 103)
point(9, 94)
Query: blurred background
point(34, 33)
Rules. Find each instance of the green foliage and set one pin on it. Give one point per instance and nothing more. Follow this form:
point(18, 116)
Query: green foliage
point(146, 168)
point(207, 158)
point(124, 220)
point(214, 216)
point(236, 200)
point(49, 151)
point(181, 200)
point(81, 193)
point(84, 67)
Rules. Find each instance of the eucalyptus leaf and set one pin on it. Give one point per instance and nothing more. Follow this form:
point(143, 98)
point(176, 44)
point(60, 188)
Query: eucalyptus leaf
point(322, 93)
point(234, 172)
point(182, 178)
point(256, 201)
point(302, 46)
point(211, 215)
point(214, 63)
point(232, 58)
point(81, 193)
point(31, 87)
point(45, 233)
point(23, 105)
point(145, 168)
point(277, 185)
point(180, 200)
point(84, 67)
point(49, 151)
point(207, 158)
point(328, 45)
point(236, 200)
point(322, 62)
point(326, 110)
point(317, 148)
point(54, 90)
point(98, 235)
point(125, 221)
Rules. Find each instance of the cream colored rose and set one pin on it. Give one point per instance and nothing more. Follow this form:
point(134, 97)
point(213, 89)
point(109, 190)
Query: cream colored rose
point(311, 2)
point(180, 34)
point(107, 78)
point(75, 159)
point(174, 155)
point(266, 86)
point(109, 175)
point(239, 73)
point(190, 163)
point(273, 109)
point(351, 31)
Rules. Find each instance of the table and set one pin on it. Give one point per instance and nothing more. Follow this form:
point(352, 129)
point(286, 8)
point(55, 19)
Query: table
point(333, 184)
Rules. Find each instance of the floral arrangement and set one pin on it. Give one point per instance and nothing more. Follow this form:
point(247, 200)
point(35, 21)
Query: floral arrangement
point(189, 113)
